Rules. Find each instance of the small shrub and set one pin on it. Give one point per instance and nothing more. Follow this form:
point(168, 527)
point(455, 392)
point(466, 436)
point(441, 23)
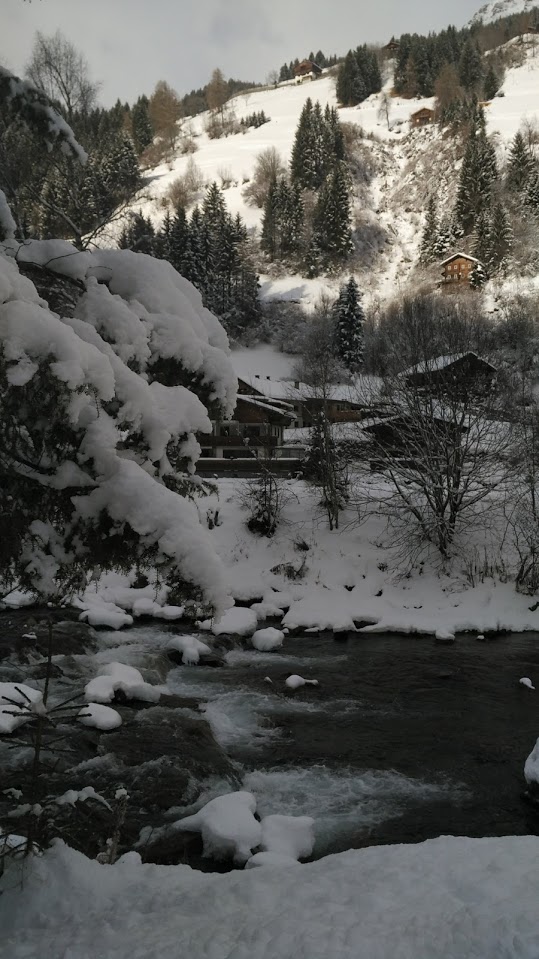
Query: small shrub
point(188, 145)
point(154, 154)
point(226, 177)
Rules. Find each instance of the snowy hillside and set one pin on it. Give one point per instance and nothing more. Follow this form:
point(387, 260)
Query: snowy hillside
point(408, 165)
point(502, 8)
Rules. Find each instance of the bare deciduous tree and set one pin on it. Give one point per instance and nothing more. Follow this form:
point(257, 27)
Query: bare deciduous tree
point(58, 69)
point(217, 92)
point(445, 446)
point(269, 166)
point(165, 111)
point(384, 108)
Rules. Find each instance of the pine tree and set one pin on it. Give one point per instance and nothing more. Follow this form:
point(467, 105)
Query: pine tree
point(478, 277)
point(478, 176)
point(142, 127)
point(470, 66)
point(530, 196)
point(520, 164)
point(445, 239)
point(491, 83)
point(178, 242)
point(502, 237)
point(429, 239)
point(351, 88)
point(139, 235)
point(349, 322)
point(332, 233)
point(483, 242)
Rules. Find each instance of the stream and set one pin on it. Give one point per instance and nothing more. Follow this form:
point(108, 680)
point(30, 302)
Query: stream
point(403, 739)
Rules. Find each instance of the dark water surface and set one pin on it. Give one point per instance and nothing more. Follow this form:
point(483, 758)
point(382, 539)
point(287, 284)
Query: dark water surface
point(452, 721)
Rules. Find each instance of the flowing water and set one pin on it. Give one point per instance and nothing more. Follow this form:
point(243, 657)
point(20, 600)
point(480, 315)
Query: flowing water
point(402, 739)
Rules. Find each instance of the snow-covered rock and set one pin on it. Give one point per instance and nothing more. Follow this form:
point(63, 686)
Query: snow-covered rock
point(227, 825)
point(118, 676)
point(525, 681)
point(290, 836)
point(531, 767)
point(99, 717)
point(190, 647)
point(17, 701)
point(266, 639)
point(237, 621)
point(295, 681)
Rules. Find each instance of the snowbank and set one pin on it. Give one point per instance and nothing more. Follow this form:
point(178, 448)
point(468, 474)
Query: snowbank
point(449, 898)
point(291, 836)
point(237, 621)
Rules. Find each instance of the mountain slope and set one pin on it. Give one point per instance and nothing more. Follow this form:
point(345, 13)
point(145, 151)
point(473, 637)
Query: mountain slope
point(502, 8)
point(405, 167)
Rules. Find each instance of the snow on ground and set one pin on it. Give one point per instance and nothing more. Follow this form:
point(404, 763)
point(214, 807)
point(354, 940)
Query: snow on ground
point(520, 100)
point(495, 9)
point(351, 578)
point(448, 898)
point(409, 164)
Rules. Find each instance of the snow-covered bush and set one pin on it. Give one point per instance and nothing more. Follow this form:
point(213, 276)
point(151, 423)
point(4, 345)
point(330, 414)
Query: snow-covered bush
point(98, 420)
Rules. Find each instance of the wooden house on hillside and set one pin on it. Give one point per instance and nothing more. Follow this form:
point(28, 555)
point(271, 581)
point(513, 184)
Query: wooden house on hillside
point(307, 70)
point(468, 369)
point(392, 47)
point(422, 117)
point(457, 269)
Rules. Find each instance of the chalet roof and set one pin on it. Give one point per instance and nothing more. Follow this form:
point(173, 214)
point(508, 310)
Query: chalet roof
point(444, 362)
point(308, 65)
point(423, 110)
point(356, 393)
point(457, 256)
point(287, 414)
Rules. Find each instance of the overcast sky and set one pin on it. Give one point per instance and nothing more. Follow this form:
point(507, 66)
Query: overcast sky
point(130, 44)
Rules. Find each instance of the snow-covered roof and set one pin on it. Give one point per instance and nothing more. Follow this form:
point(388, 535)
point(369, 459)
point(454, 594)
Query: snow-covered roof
point(457, 256)
point(291, 391)
point(279, 410)
point(442, 362)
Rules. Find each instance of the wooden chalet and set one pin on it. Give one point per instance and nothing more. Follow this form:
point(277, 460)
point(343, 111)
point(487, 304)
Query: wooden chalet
point(457, 269)
point(343, 403)
point(307, 69)
point(458, 369)
point(401, 437)
point(254, 431)
point(422, 117)
point(392, 47)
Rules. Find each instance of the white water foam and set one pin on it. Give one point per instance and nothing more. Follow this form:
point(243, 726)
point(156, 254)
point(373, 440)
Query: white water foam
point(342, 801)
point(240, 716)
